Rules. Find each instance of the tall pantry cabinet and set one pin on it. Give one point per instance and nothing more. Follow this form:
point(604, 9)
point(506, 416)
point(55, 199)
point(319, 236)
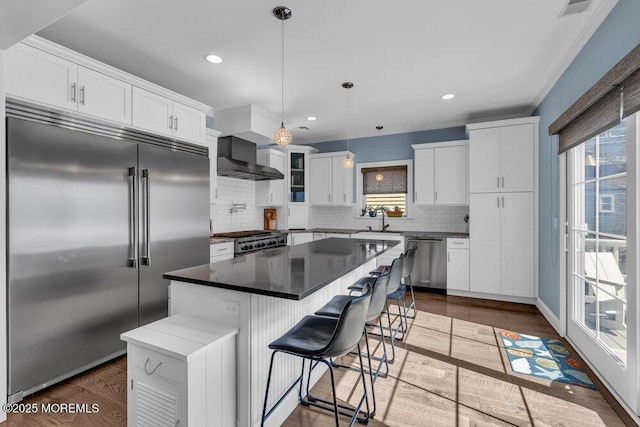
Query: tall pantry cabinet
point(503, 207)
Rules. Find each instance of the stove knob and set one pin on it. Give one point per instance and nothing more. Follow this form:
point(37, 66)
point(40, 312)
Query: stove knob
point(259, 245)
point(244, 247)
point(250, 246)
point(281, 241)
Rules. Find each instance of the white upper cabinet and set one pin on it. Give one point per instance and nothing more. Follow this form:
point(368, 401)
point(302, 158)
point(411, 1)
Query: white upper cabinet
point(103, 96)
point(271, 192)
point(45, 78)
point(152, 112)
point(161, 115)
point(39, 76)
point(450, 170)
point(188, 123)
point(440, 173)
point(331, 183)
point(43, 72)
point(424, 176)
point(501, 158)
point(321, 188)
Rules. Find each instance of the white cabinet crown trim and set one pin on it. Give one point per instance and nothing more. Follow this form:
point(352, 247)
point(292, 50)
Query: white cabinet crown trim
point(440, 144)
point(502, 123)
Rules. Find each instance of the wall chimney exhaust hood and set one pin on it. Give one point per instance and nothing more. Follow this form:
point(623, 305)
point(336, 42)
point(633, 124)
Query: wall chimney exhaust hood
point(247, 122)
point(237, 159)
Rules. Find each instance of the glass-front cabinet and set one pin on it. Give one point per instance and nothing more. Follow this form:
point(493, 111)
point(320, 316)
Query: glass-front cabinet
point(297, 183)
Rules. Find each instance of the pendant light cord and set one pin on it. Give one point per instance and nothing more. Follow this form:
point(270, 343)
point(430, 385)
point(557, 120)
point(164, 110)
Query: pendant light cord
point(282, 110)
point(348, 120)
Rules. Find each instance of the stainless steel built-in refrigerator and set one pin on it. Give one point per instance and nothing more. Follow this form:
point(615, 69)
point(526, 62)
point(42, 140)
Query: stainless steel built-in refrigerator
point(96, 214)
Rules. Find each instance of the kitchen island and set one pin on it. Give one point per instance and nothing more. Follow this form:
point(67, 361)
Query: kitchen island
point(264, 294)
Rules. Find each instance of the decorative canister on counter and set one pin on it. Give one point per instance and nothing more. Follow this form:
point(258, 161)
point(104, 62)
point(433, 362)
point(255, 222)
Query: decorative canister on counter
point(270, 217)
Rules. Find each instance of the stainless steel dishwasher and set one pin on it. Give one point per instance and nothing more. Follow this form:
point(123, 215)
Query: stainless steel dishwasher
point(430, 269)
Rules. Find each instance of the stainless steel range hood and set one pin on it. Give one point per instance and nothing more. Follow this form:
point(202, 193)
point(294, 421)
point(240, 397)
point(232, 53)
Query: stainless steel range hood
point(237, 159)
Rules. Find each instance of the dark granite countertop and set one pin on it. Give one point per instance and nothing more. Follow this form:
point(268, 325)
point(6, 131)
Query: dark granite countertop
point(329, 230)
point(291, 272)
point(434, 234)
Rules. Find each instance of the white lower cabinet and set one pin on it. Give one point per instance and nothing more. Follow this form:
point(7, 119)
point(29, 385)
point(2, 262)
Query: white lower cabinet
point(221, 251)
point(297, 216)
point(181, 371)
point(458, 264)
point(501, 244)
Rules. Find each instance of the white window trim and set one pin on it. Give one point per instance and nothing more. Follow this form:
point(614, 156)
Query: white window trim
point(611, 202)
point(408, 163)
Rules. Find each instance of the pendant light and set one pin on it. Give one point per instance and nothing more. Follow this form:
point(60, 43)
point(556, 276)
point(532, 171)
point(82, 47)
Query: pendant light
point(347, 163)
point(282, 135)
point(379, 176)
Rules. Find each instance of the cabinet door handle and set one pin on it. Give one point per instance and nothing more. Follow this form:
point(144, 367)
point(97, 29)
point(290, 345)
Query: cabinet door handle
point(176, 125)
point(344, 198)
point(415, 196)
point(329, 195)
point(436, 196)
point(82, 95)
point(289, 211)
point(171, 121)
point(503, 201)
point(498, 201)
point(498, 182)
point(503, 182)
point(448, 256)
point(73, 92)
point(146, 370)
point(272, 197)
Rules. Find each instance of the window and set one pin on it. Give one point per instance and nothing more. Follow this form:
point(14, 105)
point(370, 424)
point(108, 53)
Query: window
point(606, 203)
point(385, 185)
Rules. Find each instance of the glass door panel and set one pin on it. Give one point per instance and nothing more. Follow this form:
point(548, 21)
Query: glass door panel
point(297, 184)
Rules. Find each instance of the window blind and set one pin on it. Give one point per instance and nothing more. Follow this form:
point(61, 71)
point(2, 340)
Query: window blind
point(394, 180)
point(615, 95)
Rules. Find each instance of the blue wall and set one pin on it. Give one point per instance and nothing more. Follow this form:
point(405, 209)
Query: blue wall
point(391, 147)
point(618, 34)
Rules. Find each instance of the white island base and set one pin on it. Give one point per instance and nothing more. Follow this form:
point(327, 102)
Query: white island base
point(260, 319)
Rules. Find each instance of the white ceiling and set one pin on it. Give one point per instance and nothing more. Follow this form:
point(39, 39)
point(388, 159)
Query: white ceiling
point(499, 57)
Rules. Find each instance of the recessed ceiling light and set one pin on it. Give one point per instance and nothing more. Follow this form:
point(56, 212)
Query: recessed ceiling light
point(311, 118)
point(448, 96)
point(214, 59)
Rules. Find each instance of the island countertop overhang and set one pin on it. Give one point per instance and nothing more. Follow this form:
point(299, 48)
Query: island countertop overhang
point(292, 272)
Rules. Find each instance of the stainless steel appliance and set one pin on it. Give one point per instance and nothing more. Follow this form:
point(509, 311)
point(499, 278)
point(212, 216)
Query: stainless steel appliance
point(237, 158)
point(255, 240)
point(430, 268)
point(96, 214)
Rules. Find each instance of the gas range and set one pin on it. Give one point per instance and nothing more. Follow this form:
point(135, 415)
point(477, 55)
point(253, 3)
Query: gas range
point(255, 240)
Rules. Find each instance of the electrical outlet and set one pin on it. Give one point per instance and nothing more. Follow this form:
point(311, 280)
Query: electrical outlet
point(231, 308)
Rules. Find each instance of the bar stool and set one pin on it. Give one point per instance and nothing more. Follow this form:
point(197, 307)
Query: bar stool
point(378, 298)
point(409, 261)
point(395, 291)
point(317, 338)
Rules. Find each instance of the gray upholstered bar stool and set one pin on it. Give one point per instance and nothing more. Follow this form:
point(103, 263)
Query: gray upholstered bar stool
point(318, 338)
point(378, 298)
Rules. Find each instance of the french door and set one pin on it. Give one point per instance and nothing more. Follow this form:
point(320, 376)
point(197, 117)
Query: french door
point(601, 266)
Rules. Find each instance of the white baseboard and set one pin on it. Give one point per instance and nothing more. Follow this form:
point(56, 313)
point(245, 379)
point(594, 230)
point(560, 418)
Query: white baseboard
point(551, 318)
point(494, 297)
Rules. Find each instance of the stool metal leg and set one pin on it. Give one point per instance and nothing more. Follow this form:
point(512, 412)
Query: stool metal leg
point(266, 393)
point(412, 306)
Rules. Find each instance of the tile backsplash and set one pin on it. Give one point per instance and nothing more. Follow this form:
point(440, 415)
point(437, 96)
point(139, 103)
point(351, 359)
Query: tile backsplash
point(230, 191)
point(425, 218)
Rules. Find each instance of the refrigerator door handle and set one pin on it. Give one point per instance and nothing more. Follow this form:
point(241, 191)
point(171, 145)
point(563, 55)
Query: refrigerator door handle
point(146, 259)
point(133, 259)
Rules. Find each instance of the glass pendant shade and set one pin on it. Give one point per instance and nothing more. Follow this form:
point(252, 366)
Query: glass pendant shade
point(347, 163)
point(282, 136)
point(379, 177)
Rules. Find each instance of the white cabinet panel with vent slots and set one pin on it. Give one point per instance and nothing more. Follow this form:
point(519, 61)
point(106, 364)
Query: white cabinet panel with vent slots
point(181, 372)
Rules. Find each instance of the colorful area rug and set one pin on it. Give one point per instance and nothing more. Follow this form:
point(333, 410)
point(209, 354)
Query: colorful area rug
point(543, 357)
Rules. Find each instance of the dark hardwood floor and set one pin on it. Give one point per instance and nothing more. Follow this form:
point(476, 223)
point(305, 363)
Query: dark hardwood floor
point(450, 371)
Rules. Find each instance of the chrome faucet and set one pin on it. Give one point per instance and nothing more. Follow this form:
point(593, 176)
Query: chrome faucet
point(384, 227)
